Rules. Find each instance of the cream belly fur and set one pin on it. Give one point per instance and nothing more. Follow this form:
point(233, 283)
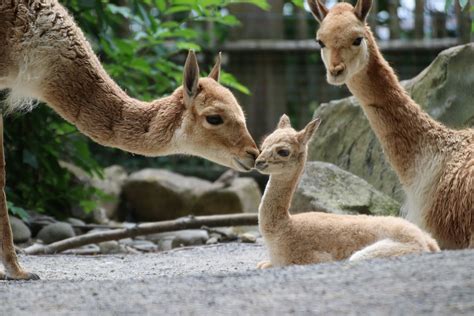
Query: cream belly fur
point(45, 56)
point(433, 163)
point(320, 237)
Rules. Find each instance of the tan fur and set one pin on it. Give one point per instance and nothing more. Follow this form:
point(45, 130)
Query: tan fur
point(435, 164)
point(320, 237)
point(45, 56)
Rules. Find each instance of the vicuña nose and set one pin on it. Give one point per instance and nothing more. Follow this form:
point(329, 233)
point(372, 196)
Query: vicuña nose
point(337, 70)
point(260, 164)
point(252, 152)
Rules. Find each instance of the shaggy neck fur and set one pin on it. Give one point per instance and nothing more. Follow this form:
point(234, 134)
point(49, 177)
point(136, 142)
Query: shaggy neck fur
point(104, 112)
point(402, 127)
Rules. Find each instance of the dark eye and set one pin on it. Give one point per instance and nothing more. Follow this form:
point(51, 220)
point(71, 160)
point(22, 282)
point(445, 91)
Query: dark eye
point(214, 119)
point(321, 44)
point(283, 152)
point(357, 41)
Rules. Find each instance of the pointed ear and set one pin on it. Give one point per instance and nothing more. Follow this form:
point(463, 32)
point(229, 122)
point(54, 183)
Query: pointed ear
point(284, 122)
point(318, 9)
point(305, 135)
point(362, 8)
point(190, 78)
point(216, 70)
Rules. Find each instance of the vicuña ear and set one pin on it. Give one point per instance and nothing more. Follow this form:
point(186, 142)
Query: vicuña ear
point(362, 9)
point(305, 134)
point(190, 78)
point(284, 121)
point(216, 70)
point(318, 9)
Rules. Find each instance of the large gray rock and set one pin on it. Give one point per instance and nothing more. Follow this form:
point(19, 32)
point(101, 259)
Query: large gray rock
point(243, 195)
point(55, 232)
point(444, 90)
point(325, 187)
point(155, 194)
point(21, 232)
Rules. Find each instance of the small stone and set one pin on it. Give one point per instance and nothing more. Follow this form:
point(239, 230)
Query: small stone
point(139, 244)
point(91, 249)
point(211, 241)
point(248, 238)
point(21, 232)
point(188, 237)
point(76, 222)
point(55, 232)
point(111, 247)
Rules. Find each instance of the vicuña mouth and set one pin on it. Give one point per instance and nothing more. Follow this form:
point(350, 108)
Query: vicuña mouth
point(242, 165)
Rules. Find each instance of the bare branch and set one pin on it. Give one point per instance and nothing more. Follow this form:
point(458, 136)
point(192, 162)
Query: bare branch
point(145, 229)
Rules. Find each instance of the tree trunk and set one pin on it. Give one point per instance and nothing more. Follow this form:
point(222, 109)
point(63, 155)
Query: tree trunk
point(419, 18)
point(394, 23)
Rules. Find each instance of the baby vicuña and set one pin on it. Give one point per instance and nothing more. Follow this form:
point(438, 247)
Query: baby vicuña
point(320, 237)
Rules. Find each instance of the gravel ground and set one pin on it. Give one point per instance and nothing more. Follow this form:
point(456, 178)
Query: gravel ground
point(222, 280)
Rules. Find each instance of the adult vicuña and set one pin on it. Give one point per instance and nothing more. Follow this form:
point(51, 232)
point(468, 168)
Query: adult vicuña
point(319, 237)
point(434, 164)
point(45, 56)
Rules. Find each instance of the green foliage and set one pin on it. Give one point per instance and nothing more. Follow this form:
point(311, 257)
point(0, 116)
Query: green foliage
point(141, 45)
point(34, 145)
point(449, 3)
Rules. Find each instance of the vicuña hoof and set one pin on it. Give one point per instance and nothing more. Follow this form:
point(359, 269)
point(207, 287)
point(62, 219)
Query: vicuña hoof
point(25, 276)
point(264, 265)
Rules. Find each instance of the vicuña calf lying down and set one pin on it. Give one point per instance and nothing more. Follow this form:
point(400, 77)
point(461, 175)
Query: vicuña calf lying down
point(319, 237)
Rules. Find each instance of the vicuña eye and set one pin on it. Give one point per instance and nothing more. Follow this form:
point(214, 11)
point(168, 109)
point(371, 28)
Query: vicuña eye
point(214, 119)
point(283, 152)
point(321, 44)
point(357, 41)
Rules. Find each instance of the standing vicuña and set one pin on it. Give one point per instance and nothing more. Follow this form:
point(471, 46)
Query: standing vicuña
point(434, 164)
point(45, 56)
point(319, 237)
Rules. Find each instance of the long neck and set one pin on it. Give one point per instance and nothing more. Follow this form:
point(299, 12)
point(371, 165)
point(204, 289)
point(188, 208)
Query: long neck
point(273, 210)
point(80, 90)
point(399, 123)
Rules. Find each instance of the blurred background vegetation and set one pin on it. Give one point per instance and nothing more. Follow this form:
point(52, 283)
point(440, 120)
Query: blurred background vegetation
point(270, 54)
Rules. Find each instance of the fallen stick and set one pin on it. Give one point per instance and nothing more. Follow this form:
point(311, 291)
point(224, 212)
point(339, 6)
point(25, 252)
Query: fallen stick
point(145, 229)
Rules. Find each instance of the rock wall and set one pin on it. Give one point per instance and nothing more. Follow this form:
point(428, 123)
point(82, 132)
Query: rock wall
point(445, 90)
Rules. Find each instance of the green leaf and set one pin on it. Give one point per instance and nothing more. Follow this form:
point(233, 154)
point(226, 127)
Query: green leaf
point(230, 81)
point(298, 3)
point(188, 45)
point(17, 211)
point(30, 159)
point(447, 4)
point(123, 11)
point(463, 3)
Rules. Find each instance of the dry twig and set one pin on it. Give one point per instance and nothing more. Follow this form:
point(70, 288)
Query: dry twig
point(145, 229)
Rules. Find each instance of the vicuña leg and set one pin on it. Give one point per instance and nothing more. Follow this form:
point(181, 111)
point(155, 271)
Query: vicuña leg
point(7, 249)
point(471, 242)
point(385, 248)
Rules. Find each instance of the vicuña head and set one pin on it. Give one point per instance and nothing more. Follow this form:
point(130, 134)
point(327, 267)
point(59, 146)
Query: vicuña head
point(213, 123)
point(284, 151)
point(343, 37)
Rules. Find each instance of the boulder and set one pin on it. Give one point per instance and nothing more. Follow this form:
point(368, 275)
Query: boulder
point(156, 194)
point(110, 184)
point(21, 232)
point(243, 195)
point(325, 187)
point(345, 138)
point(55, 232)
